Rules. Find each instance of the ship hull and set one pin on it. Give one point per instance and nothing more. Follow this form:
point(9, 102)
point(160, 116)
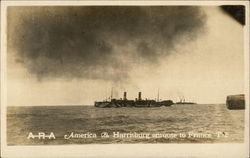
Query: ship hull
point(131, 103)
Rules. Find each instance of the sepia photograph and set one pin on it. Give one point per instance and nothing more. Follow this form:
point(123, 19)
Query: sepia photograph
point(125, 74)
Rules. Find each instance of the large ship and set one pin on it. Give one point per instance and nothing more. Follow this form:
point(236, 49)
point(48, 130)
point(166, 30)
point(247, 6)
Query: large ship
point(138, 102)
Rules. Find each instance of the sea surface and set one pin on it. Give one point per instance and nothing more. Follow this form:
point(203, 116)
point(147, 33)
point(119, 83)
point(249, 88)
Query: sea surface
point(197, 123)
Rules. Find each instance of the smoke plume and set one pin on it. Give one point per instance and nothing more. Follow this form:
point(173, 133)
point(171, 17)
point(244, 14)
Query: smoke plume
point(101, 42)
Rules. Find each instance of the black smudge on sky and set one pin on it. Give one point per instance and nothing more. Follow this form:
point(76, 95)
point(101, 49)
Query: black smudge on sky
point(235, 11)
point(98, 42)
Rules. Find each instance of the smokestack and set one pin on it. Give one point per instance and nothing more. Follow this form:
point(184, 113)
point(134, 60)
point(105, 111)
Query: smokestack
point(139, 96)
point(125, 96)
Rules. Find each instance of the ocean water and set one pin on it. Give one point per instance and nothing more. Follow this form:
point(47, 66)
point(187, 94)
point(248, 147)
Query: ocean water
point(176, 124)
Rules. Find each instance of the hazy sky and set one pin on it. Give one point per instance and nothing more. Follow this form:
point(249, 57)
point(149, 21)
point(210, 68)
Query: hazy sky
point(68, 56)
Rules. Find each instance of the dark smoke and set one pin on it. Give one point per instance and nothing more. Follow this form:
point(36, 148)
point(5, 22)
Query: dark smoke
point(97, 42)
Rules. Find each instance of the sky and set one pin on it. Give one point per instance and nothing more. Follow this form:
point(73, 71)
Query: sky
point(74, 55)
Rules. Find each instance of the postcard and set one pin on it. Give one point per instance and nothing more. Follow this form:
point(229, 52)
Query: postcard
point(124, 79)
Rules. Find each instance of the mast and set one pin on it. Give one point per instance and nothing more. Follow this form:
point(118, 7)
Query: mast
point(158, 95)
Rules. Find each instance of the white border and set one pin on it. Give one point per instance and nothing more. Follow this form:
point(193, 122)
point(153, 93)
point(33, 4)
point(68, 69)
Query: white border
point(122, 150)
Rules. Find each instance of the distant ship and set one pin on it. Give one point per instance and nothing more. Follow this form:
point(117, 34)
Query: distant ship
point(138, 102)
point(182, 101)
